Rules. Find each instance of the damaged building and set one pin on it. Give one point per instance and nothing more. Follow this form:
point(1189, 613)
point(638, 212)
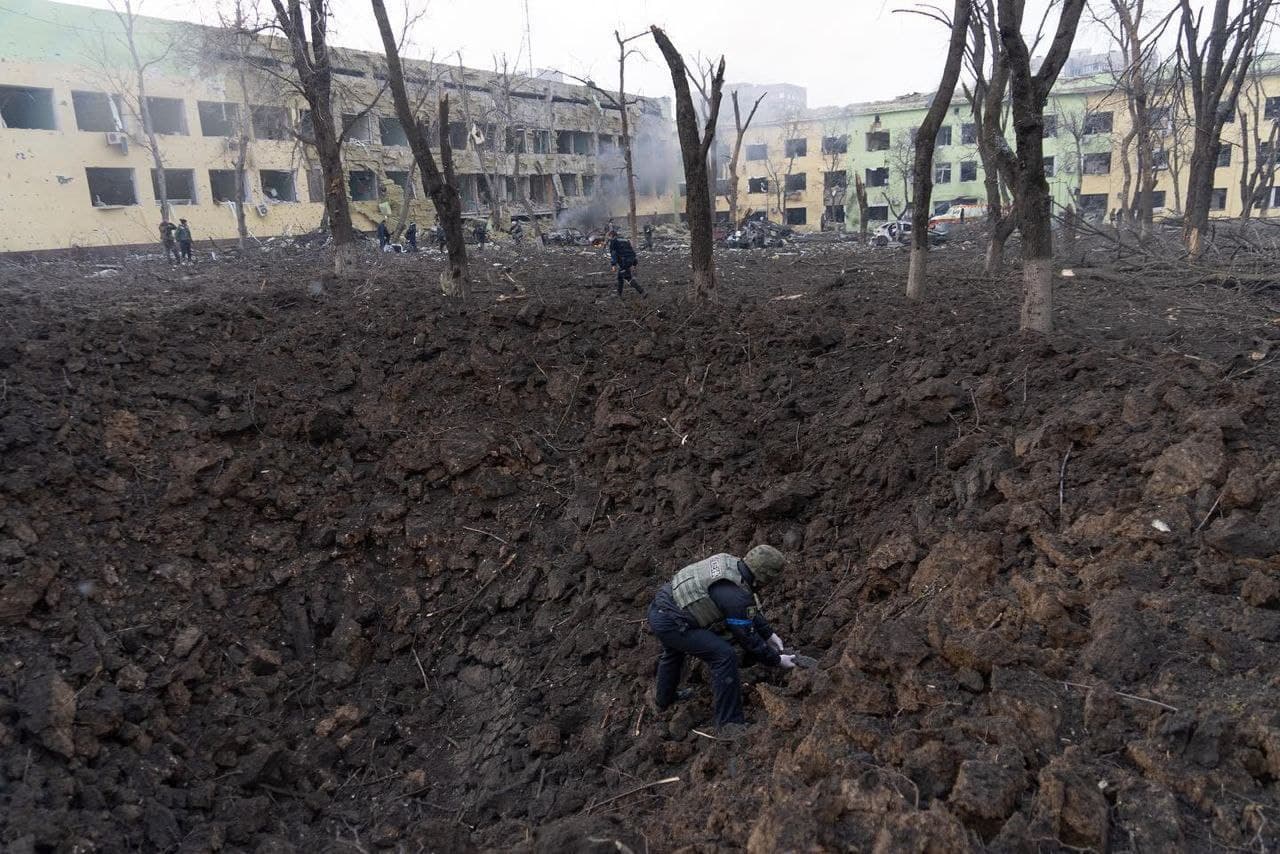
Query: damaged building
point(80, 171)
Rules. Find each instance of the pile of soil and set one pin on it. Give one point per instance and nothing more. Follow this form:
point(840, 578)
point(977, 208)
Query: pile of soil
point(291, 561)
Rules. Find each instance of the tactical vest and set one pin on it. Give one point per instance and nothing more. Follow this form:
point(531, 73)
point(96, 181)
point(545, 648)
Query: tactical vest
point(690, 586)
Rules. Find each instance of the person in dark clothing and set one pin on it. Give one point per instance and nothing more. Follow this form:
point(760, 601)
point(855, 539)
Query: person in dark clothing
point(183, 235)
point(438, 234)
point(169, 242)
point(622, 258)
point(479, 232)
point(411, 236)
point(648, 236)
point(717, 591)
point(516, 232)
point(384, 235)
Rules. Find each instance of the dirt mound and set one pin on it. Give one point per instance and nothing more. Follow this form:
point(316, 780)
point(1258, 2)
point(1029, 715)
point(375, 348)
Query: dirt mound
point(289, 562)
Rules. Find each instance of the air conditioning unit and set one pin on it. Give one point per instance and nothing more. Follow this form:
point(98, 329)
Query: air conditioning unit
point(119, 139)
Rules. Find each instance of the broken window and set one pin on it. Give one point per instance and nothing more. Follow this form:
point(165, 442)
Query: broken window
point(797, 216)
point(835, 144)
point(357, 128)
point(111, 187)
point(218, 118)
point(1051, 126)
point(1272, 109)
point(401, 180)
point(277, 185)
point(392, 132)
point(569, 183)
point(795, 183)
point(538, 188)
point(1093, 123)
point(364, 186)
point(1224, 155)
point(1050, 166)
point(1097, 164)
point(835, 213)
point(758, 152)
point(315, 184)
point(167, 116)
point(1160, 159)
point(684, 189)
point(1157, 200)
point(968, 133)
point(723, 187)
point(942, 173)
point(269, 122)
point(796, 147)
point(458, 136)
point(608, 146)
point(878, 177)
point(222, 186)
point(179, 185)
point(1093, 205)
point(27, 108)
point(1218, 201)
point(877, 213)
point(515, 140)
point(588, 185)
point(1264, 151)
point(97, 111)
point(944, 135)
point(757, 185)
point(541, 142)
point(968, 170)
point(878, 140)
point(305, 129)
point(837, 180)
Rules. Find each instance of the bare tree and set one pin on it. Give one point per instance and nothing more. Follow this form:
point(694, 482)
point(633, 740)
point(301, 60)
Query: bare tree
point(306, 26)
point(860, 193)
point(779, 165)
point(1030, 93)
point(1258, 137)
point(835, 154)
point(694, 147)
point(740, 127)
point(926, 140)
point(1216, 68)
point(441, 186)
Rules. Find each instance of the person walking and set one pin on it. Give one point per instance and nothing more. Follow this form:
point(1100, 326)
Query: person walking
point(183, 236)
point(648, 237)
point(622, 258)
point(411, 236)
point(480, 233)
point(169, 242)
point(384, 236)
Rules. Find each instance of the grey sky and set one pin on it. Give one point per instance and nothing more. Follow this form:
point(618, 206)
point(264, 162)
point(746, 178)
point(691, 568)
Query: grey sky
point(841, 50)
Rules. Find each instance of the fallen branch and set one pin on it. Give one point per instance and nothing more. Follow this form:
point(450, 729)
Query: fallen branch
point(486, 533)
point(633, 791)
point(1133, 697)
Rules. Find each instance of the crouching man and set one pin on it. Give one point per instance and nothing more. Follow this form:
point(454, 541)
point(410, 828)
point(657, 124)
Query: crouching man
point(715, 592)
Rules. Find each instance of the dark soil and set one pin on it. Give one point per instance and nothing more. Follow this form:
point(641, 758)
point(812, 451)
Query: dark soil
point(296, 563)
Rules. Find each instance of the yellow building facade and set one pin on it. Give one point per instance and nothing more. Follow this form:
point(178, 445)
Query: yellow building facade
point(78, 172)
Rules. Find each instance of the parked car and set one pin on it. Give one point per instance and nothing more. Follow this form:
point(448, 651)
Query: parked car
point(566, 237)
point(900, 233)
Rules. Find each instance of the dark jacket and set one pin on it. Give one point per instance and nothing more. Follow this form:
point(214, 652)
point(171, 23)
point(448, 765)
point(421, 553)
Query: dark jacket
point(741, 617)
point(621, 254)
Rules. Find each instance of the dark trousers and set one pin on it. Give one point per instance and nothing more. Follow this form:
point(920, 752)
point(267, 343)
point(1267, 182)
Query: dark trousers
point(186, 249)
point(171, 250)
point(624, 275)
point(679, 641)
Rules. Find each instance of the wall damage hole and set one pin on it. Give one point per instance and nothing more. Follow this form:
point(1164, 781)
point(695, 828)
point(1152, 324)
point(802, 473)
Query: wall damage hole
point(167, 116)
point(97, 111)
point(797, 216)
point(878, 140)
point(569, 184)
point(179, 185)
point(270, 122)
point(27, 108)
point(278, 185)
point(401, 180)
point(110, 187)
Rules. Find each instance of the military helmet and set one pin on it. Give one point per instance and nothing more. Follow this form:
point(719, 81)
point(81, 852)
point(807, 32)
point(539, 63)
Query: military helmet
point(765, 563)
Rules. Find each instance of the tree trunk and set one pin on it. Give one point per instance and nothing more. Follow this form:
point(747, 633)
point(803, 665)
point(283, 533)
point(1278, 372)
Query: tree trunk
point(441, 188)
point(626, 137)
point(693, 150)
point(242, 158)
point(926, 140)
point(860, 193)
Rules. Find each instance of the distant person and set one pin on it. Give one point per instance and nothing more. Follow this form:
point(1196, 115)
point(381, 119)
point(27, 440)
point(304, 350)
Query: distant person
point(622, 257)
point(441, 239)
point(384, 235)
point(517, 232)
point(183, 235)
point(169, 242)
point(648, 236)
point(480, 232)
point(1114, 216)
point(411, 236)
